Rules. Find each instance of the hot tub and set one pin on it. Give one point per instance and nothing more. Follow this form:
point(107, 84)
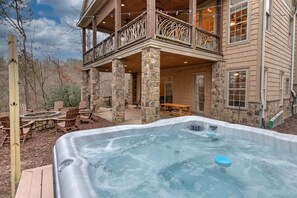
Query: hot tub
point(176, 158)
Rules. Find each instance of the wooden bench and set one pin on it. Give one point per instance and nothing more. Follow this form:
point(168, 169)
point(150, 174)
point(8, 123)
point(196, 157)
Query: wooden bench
point(177, 109)
point(36, 183)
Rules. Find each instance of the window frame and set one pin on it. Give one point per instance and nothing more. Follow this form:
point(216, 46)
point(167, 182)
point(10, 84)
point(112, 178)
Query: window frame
point(245, 89)
point(268, 16)
point(247, 21)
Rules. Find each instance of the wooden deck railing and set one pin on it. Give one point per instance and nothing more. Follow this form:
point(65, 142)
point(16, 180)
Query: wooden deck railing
point(167, 27)
point(207, 41)
point(170, 28)
point(133, 31)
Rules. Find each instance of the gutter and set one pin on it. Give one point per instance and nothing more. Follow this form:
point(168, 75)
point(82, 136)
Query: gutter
point(293, 93)
point(263, 105)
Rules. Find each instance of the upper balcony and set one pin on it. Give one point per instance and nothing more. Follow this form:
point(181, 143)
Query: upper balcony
point(198, 28)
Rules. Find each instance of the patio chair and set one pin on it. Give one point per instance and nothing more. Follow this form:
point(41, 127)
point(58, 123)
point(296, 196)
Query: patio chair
point(86, 117)
point(25, 130)
point(24, 110)
point(67, 124)
point(58, 105)
point(83, 105)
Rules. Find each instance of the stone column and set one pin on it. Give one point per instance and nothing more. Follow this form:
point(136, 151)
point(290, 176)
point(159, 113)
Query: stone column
point(95, 88)
point(85, 86)
point(218, 90)
point(118, 91)
point(150, 85)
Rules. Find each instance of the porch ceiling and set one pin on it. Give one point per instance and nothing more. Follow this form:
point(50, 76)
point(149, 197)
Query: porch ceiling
point(168, 61)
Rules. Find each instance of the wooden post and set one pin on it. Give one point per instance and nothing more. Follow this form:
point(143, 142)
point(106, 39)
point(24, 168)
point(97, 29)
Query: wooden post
point(83, 44)
point(94, 24)
point(192, 20)
point(14, 113)
point(117, 22)
point(151, 18)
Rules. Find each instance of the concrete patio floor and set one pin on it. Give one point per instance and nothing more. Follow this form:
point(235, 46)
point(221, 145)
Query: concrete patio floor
point(132, 115)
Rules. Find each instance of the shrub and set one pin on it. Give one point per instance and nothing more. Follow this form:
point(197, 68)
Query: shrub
point(69, 94)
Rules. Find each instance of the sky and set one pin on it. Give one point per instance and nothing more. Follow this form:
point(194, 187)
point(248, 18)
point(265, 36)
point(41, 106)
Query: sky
point(49, 29)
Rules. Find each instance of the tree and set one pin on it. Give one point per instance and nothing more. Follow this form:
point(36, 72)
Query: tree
point(16, 13)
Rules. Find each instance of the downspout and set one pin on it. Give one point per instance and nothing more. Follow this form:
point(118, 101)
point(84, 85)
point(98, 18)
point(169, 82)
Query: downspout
point(293, 93)
point(262, 108)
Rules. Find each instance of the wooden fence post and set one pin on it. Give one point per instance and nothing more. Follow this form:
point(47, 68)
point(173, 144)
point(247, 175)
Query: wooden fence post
point(14, 113)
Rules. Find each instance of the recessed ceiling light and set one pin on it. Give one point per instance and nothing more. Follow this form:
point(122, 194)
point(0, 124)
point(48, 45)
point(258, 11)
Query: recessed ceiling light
point(130, 71)
point(122, 5)
point(236, 74)
point(103, 22)
point(185, 62)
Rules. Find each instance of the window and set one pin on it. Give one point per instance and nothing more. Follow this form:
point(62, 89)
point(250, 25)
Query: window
point(206, 17)
point(291, 31)
point(268, 14)
point(238, 20)
point(281, 89)
point(237, 88)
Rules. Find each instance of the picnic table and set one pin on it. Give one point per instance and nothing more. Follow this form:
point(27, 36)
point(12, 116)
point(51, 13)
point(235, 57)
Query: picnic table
point(182, 109)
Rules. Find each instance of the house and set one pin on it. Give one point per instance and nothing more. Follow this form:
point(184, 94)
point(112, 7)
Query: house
point(230, 60)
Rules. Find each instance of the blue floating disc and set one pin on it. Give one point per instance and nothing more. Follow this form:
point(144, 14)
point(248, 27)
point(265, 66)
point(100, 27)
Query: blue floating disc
point(211, 134)
point(223, 161)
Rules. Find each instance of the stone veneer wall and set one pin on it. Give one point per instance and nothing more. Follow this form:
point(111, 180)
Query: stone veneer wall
point(118, 91)
point(150, 85)
point(85, 91)
point(95, 88)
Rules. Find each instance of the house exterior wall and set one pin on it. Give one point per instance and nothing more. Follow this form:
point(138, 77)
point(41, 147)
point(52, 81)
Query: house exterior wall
point(278, 59)
point(184, 85)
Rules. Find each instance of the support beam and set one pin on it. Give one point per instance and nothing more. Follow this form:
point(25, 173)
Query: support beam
point(192, 20)
point(151, 18)
point(150, 85)
point(94, 26)
point(95, 88)
point(118, 20)
point(85, 94)
point(118, 91)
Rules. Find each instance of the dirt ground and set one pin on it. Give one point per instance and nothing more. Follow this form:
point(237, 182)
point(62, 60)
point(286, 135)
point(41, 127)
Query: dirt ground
point(35, 152)
point(289, 126)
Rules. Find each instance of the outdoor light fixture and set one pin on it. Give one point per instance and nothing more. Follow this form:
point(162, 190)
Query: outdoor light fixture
point(103, 22)
point(125, 66)
point(185, 62)
point(122, 5)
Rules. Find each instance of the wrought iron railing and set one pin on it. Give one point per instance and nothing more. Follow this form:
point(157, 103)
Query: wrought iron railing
point(133, 31)
point(88, 56)
point(207, 41)
point(172, 29)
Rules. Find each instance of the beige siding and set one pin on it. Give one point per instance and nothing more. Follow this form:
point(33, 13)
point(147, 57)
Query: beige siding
point(243, 54)
point(184, 85)
point(278, 54)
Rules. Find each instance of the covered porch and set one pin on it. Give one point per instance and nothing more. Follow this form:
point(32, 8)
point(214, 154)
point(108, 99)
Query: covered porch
point(157, 77)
